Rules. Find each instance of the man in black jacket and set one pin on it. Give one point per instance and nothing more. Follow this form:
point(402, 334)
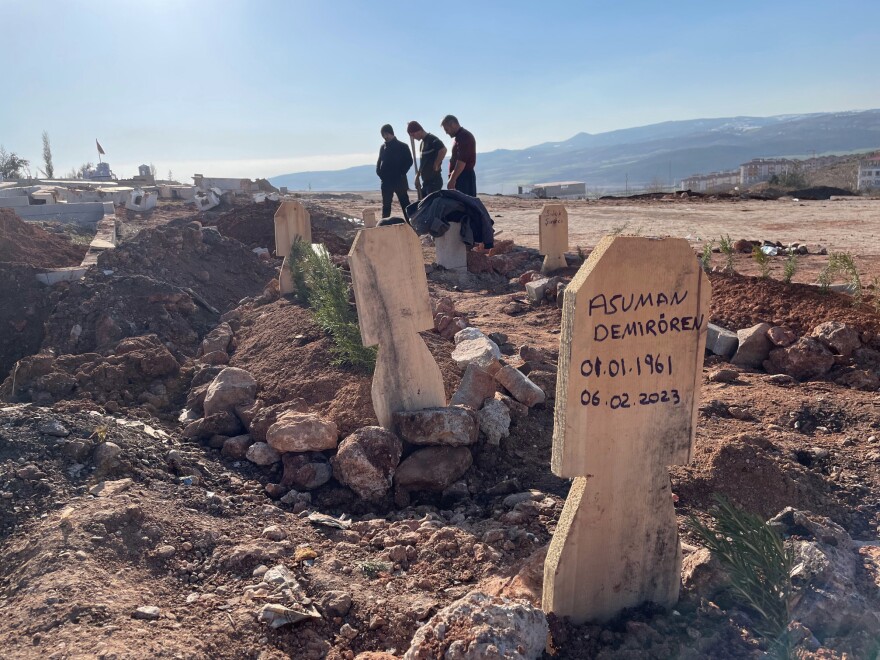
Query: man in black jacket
point(394, 162)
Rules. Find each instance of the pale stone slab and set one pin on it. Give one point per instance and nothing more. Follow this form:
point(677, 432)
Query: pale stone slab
point(630, 362)
point(451, 251)
point(292, 221)
point(391, 292)
point(285, 279)
point(553, 236)
point(369, 217)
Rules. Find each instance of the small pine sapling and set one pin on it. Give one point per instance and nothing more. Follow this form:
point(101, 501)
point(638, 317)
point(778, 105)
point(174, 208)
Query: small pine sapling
point(706, 255)
point(789, 268)
point(725, 244)
point(763, 260)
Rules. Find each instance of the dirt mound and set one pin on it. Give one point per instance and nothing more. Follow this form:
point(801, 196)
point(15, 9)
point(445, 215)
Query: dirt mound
point(24, 307)
point(291, 358)
point(140, 371)
point(93, 314)
point(254, 225)
point(219, 270)
point(22, 242)
point(739, 302)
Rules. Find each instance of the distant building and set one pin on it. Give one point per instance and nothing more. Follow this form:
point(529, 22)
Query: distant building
point(712, 182)
point(764, 169)
point(869, 174)
point(557, 189)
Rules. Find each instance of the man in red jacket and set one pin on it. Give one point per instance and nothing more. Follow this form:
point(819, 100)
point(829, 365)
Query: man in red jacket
point(463, 159)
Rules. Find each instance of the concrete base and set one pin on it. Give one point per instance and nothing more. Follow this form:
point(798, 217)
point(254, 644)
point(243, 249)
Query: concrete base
point(62, 275)
point(721, 341)
point(87, 213)
point(14, 202)
point(451, 252)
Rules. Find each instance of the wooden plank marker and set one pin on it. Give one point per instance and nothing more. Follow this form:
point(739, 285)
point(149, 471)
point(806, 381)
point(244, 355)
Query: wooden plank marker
point(291, 220)
point(369, 217)
point(391, 292)
point(553, 236)
point(451, 250)
point(634, 325)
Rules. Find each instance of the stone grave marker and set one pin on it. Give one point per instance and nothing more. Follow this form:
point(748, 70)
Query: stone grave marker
point(291, 221)
point(451, 250)
point(634, 325)
point(391, 292)
point(369, 217)
point(553, 236)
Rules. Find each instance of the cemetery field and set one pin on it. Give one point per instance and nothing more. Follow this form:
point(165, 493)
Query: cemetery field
point(190, 466)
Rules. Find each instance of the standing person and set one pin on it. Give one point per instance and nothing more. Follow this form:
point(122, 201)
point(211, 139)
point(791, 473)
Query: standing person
point(433, 152)
point(394, 162)
point(464, 157)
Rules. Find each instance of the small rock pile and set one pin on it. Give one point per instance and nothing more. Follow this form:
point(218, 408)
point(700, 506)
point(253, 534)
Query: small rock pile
point(832, 349)
point(447, 321)
point(502, 259)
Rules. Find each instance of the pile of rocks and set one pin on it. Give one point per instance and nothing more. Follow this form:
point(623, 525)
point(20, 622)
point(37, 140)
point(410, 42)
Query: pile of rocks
point(139, 370)
point(447, 321)
point(503, 259)
point(831, 349)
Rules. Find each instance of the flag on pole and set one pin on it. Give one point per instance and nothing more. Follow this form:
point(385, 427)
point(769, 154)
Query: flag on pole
point(100, 149)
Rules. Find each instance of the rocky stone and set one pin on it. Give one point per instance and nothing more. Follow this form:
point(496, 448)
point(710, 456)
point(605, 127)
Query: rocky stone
point(262, 454)
point(111, 488)
point(480, 626)
point(481, 351)
point(724, 376)
point(433, 468)
point(838, 337)
point(804, 359)
point(217, 441)
point(147, 613)
point(305, 471)
point(476, 386)
point(453, 426)
point(222, 423)
point(494, 419)
point(702, 574)
point(165, 551)
point(214, 358)
point(274, 533)
point(754, 346)
point(826, 576)
point(537, 290)
point(517, 410)
point(247, 413)
point(235, 448)
point(217, 340)
point(366, 461)
point(721, 341)
point(519, 386)
point(300, 432)
point(781, 336)
point(106, 456)
point(334, 603)
point(232, 387)
point(468, 334)
point(545, 380)
point(860, 379)
point(534, 355)
point(54, 428)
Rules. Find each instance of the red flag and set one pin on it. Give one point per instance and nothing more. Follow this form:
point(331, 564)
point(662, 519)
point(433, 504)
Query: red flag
point(100, 149)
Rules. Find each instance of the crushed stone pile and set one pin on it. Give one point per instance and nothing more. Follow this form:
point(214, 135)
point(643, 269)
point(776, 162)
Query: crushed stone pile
point(26, 243)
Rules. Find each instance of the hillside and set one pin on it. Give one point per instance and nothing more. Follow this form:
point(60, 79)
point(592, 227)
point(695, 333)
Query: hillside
point(644, 154)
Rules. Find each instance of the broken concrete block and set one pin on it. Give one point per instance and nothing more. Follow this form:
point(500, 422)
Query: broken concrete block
point(482, 351)
point(721, 341)
point(522, 389)
point(453, 426)
point(754, 346)
point(476, 386)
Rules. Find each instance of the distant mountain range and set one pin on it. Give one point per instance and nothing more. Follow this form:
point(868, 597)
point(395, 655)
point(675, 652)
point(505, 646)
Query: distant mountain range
point(658, 153)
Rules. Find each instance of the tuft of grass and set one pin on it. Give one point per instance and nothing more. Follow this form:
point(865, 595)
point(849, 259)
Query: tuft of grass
point(725, 244)
point(372, 568)
point(706, 255)
point(762, 260)
point(842, 263)
point(758, 564)
point(789, 268)
point(320, 284)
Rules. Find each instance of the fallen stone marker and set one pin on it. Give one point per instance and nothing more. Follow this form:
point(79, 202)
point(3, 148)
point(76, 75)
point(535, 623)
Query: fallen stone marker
point(721, 341)
point(391, 293)
point(553, 237)
point(630, 367)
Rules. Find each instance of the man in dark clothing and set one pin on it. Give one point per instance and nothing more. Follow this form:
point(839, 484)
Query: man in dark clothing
point(394, 162)
point(432, 154)
point(464, 157)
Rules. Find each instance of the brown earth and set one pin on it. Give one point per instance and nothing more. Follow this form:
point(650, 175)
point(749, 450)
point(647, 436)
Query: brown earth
point(26, 243)
point(70, 580)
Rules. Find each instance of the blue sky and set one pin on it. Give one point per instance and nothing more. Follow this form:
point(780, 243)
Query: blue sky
point(260, 88)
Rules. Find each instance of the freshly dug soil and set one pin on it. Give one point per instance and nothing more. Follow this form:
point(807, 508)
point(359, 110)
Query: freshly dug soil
point(26, 243)
point(24, 307)
point(291, 358)
point(740, 301)
point(220, 270)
